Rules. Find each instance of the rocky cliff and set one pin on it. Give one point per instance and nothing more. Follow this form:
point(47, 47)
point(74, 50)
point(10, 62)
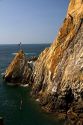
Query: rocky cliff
point(58, 72)
point(19, 71)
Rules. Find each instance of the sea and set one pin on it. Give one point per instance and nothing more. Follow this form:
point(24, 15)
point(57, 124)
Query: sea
point(10, 97)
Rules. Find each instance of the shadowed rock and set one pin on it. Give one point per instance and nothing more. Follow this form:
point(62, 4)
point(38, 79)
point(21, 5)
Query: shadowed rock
point(1, 121)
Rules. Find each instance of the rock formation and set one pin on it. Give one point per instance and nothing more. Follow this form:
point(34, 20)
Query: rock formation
point(58, 72)
point(19, 71)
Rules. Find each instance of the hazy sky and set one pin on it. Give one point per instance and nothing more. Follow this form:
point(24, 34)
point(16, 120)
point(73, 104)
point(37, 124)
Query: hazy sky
point(31, 21)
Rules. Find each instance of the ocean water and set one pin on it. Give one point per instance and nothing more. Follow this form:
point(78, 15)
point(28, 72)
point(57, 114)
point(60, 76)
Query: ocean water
point(10, 97)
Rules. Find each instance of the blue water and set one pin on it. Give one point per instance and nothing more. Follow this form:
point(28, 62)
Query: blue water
point(31, 113)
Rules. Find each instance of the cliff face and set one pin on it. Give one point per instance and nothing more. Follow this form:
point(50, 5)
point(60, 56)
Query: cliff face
point(19, 71)
point(58, 72)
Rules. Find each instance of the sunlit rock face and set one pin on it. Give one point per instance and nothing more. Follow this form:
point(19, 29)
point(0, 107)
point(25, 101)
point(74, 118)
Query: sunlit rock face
point(58, 72)
point(19, 71)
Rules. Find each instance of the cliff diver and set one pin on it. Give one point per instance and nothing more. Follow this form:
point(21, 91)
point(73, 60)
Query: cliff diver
point(20, 45)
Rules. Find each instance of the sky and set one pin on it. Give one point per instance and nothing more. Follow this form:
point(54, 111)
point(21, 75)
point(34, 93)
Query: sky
point(31, 21)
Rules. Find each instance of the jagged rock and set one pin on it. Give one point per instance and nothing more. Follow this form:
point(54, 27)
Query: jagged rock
point(19, 71)
point(60, 67)
point(33, 58)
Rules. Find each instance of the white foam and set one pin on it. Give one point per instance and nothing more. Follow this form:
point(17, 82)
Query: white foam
point(37, 100)
point(2, 73)
point(26, 85)
point(14, 53)
point(30, 53)
point(25, 53)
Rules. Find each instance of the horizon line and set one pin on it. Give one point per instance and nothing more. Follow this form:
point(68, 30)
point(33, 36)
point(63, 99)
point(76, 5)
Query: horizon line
point(22, 43)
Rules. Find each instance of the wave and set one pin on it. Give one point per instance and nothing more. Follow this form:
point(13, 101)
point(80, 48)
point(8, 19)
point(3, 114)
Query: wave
point(30, 53)
point(26, 85)
point(14, 53)
point(2, 74)
point(25, 53)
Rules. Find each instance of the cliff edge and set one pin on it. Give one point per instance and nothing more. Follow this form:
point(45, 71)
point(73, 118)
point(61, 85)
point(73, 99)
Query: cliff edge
point(58, 72)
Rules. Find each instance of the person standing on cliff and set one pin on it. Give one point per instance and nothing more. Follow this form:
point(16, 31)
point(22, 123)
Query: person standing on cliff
point(20, 44)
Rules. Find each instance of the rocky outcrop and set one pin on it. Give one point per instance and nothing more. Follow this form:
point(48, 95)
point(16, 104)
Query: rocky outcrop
point(20, 70)
point(58, 72)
